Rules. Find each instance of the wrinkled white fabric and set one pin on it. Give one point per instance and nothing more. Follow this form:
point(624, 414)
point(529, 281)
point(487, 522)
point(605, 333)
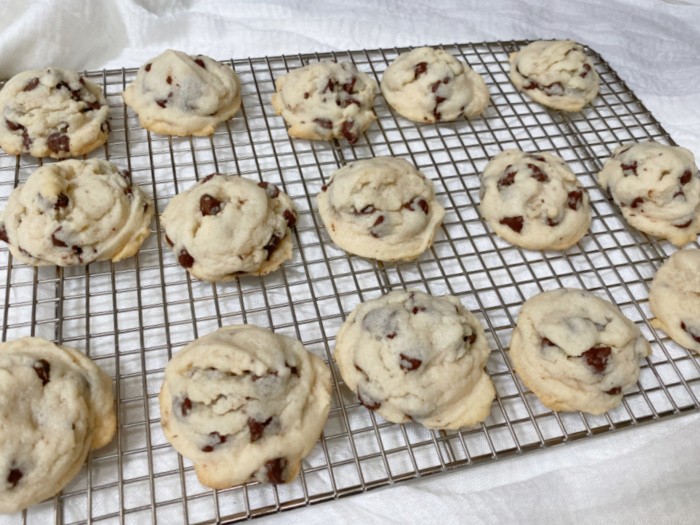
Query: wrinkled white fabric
point(650, 474)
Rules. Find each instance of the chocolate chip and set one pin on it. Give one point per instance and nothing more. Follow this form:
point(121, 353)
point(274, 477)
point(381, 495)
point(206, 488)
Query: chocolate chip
point(574, 198)
point(32, 84)
point(14, 476)
point(349, 87)
point(423, 205)
point(214, 439)
point(514, 223)
point(3, 234)
point(408, 364)
point(469, 338)
point(367, 210)
point(547, 342)
point(324, 187)
point(435, 86)
point(507, 179)
point(636, 202)
point(684, 225)
point(185, 259)
point(62, 201)
point(162, 102)
point(531, 85)
point(13, 126)
point(417, 309)
point(257, 428)
point(269, 373)
point(186, 407)
point(272, 244)
point(207, 178)
point(147, 67)
point(554, 89)
point(169, 79)
point(391, 335)
point(551, 222)
point(200, 62)
point(696, 337)
point(346, 131)
point(63, 85)
point(169, 241)
point(271, 190)
point(57, 242)
point(306, 95)
point(597, 357)
point(209, 205)
point(290, 217)
point(324, 123)
point(330, 86)
point(685, 178)
point(629, 169)
point(58, 142)
point(614, 391)
point(586, 68)
point(419, 69)
point(43, 370)
point(369, 405)
point(91, 106)
point(537, 173)
point(275, 470)
point(77, 250)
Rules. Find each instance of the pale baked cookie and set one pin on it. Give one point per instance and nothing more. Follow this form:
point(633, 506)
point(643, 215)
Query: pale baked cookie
point(326, 100)
point(243, 403)
point(657, 188)
point(76, 212)
point(55, 406)
point(674, 298)
point(576, 351)
point(179, 94)
point(225, 226)
point(382, 208)
point(52, 113)
point(533, 200)
point(411, 356)
point(556, 73)
point(430, 85)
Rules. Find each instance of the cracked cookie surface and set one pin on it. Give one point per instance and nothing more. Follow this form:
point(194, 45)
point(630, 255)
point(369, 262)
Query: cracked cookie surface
point(533, 200)
point(411, 356)
point(75, 212)
point(225, 226)
point(326, 100)
point(556, 73)
point(52, 113)
point(382, 208)
point(657, 188)
point(55, 406)
point(430, 85)
point(178, 94)
point(576, 351)
point(244, 404)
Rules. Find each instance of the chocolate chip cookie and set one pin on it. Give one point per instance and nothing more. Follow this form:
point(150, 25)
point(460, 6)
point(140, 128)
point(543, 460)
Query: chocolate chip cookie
point(55, 406)
point(430, 85)
point(52, 113)
point(533, 200)
point(411, 356)
point(225, 226)
point(674, 298)
point(326, 100)
point(178, 94)
point(576, 351)
point(75, 212)
point(244, 404)
point(657, 188)
point(555, 73)
point(382, 208)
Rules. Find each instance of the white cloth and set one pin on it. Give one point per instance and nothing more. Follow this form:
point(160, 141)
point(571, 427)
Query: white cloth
point(647, 474)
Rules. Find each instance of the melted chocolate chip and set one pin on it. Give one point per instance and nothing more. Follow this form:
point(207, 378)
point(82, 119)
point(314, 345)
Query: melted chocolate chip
point(346, 131)
point(209, 205)
point(257, 428)
point(547, 342)
point(271, 190)
point(685, 178)
point(185, 259)
point(169, 79)
point(306, 95)
point(269, 373)
point(275, 470)
point(586, 68)
point(169, 241)
point(629, 169)
point(691, 334)
point(32, 84)
point(507, 179)
point(214, 439)
point(555, 88)
point(186, 406)
point(13, 126)
point(551, 222)
point(272, 244)
point(58, 142)
point(637, 202)
point(162, 102)
point(537, 173)
point(684, 225)
point(349, 87)
point(419, 69)
point(469, 338)
point(514, 223)
point(409, 364)
point(43, 370)
point(371, 406)
point(290, 217)
point(435, 86)
point(57, 242)
point(367, 210)
point(200, 63)
point(614, 391)
point(417, 309)
point(324, 187)
point(207, 178)
point(324, 123)
point(420, 203)
point(14, 476)
point(3, 235)
point(574, 198)
point(597, 357)
point(147, 67)
point(330, 85)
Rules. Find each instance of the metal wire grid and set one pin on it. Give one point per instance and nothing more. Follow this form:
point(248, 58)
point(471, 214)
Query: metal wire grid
point(131, 317)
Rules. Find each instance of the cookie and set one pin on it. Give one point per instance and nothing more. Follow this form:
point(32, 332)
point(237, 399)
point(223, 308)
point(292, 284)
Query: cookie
point(225, 226)
point(674, 298)
point(576, 351)
point(326, 100)
point(657, 188)
point(75, 212)
point(533, 200)
point(430, 85)
point(55, 406)
point(382, 208)
point(52, 113)
point(244, 404)
point(411, 356)
point(555, 73)
point(179, 94)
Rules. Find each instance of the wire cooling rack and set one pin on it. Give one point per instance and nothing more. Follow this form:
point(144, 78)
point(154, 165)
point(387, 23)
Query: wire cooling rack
point(131, 317)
